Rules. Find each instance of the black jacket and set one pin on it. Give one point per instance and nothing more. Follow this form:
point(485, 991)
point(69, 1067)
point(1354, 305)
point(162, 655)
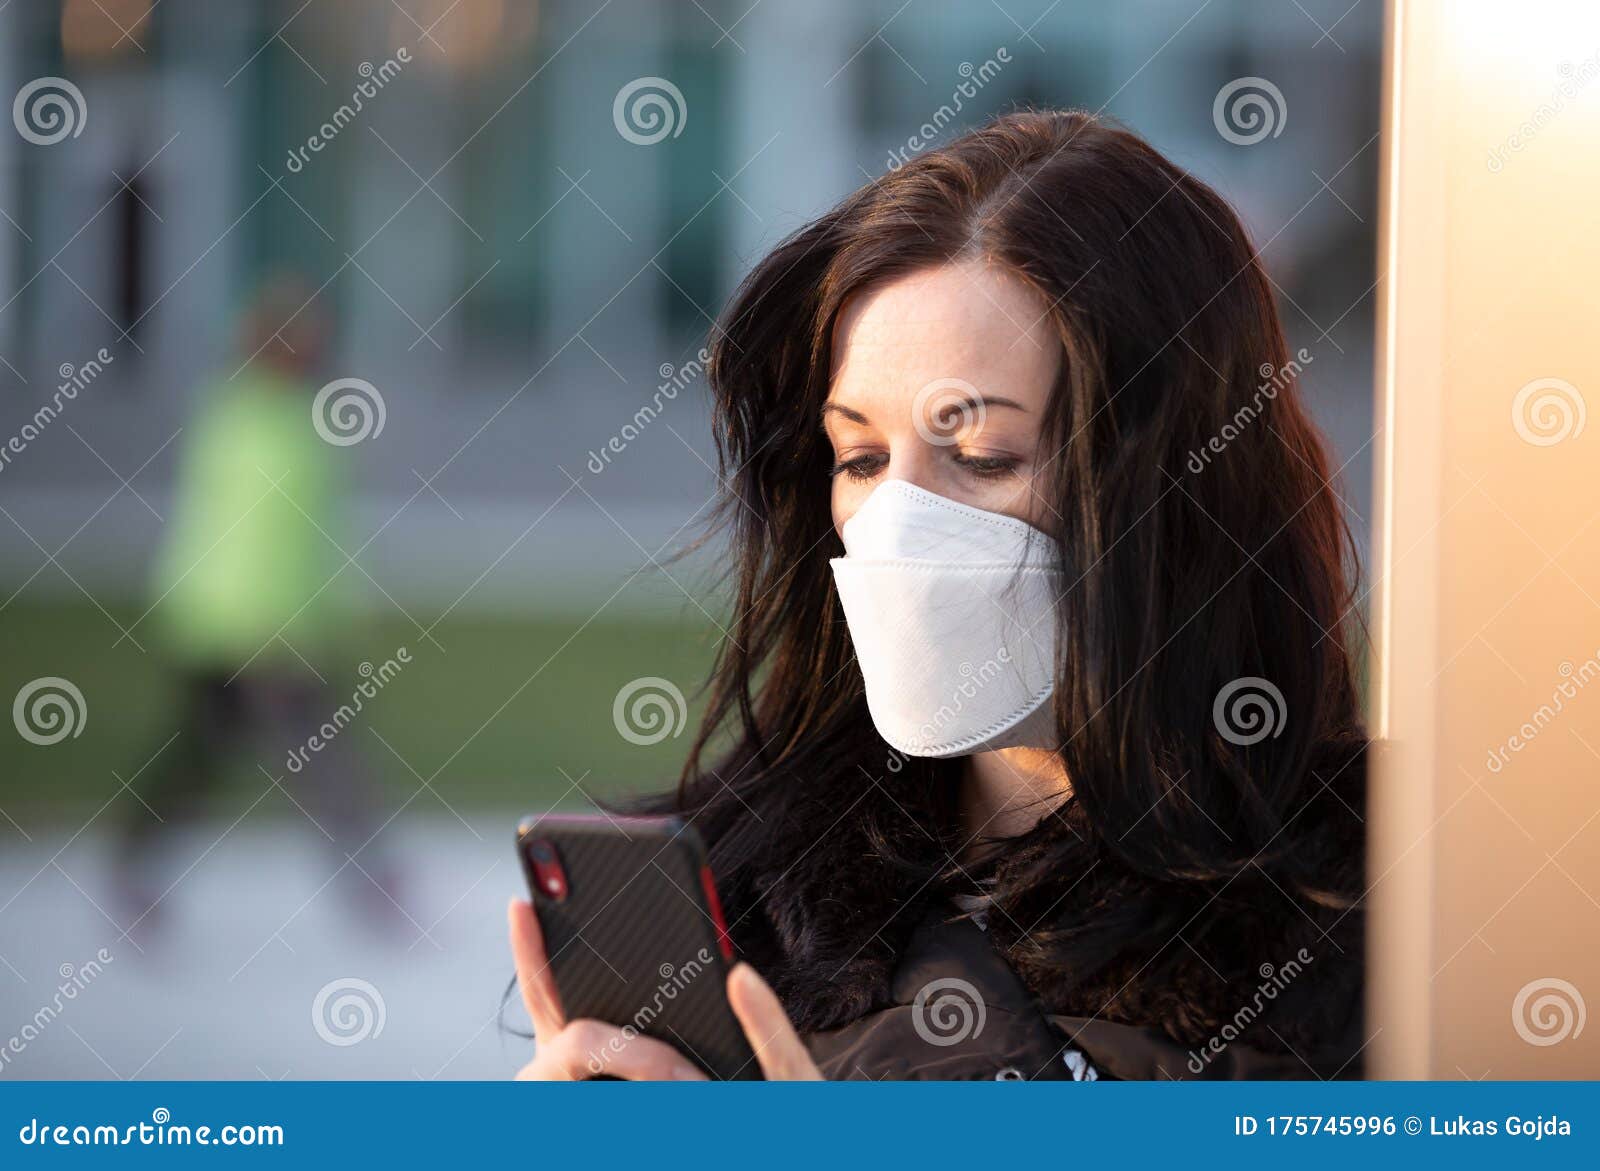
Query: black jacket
point(959, 1012)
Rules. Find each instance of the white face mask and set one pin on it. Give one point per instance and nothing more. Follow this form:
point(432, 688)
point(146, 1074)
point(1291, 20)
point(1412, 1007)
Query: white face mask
point(952, 613)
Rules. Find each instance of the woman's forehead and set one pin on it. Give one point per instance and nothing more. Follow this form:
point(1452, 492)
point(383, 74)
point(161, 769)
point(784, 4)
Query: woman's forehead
point(969, 321)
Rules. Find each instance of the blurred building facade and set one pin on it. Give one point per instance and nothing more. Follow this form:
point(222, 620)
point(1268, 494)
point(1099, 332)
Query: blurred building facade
point(516, 275)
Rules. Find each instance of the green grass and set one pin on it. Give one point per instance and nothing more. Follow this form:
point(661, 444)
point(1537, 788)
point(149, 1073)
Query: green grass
point(507, 715)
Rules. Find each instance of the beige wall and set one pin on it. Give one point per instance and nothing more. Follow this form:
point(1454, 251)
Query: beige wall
point(1487, 872)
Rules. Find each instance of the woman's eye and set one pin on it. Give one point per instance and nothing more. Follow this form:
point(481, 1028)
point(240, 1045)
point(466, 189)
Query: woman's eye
point(988, 466)
point(861, 467)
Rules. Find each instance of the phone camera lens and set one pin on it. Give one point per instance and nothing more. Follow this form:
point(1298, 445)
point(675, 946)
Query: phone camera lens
point(548, 878)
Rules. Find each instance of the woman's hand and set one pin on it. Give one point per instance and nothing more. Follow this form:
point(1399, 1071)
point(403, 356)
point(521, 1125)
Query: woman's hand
point(573, 1050)
point(782, 1055)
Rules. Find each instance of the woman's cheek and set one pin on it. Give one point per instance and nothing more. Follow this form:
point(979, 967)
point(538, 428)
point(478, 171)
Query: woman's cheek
point(846, 498)
point(1014, 496)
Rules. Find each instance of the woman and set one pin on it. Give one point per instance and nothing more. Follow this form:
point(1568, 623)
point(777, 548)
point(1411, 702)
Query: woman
point(1041, 745)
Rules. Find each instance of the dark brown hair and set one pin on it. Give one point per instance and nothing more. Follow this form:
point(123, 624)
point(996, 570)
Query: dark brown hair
point(1201, 545)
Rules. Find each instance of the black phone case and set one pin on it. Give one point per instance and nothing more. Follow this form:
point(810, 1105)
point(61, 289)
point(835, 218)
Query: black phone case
point(636, 940)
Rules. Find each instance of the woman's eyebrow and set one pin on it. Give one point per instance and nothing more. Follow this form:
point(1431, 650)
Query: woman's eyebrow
point(1000, 400)
point(833, 408)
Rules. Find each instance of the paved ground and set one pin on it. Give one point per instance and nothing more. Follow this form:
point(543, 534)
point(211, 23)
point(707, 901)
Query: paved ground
point(228, 979)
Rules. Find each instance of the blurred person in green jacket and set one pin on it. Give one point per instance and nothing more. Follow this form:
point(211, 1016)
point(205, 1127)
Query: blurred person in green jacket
point(252, 596)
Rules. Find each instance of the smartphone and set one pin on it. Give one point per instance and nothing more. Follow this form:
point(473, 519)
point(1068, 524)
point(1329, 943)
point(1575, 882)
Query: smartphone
point(634, 933)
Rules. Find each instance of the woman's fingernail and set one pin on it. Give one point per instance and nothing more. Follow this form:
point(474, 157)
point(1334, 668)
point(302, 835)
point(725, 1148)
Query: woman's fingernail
point(686, 1073)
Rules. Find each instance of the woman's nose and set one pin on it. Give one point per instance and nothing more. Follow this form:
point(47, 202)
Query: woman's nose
point(920, 465)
